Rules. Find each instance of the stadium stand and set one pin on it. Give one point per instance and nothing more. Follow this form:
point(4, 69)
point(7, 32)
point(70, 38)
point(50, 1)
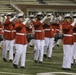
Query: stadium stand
point(25, 2)
point(64, 2)
point(5, 7)
point(35, 6)
point(47, 1)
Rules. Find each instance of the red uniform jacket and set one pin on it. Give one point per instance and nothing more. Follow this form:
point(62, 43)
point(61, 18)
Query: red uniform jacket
point(29, 30)
point(52, 32)
point(1, 28)
point(39, 31)
point(49, 31)
point(74, 33)
point(56, 27)
point(20, 33)
point(68, 33)
point(9, 32)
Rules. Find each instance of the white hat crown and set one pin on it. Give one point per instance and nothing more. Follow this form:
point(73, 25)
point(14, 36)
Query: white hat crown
point(31, 16)
point(67, 15)
point(49, 14)
point(74, 14)
point(39, 13)
point(9, 13)
point(20, 14)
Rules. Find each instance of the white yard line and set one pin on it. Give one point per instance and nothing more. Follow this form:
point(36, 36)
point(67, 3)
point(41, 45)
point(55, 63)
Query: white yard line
point(48, 73)
point(64, 73)
point(45, 73)
point(12, 73)
point(54, 73)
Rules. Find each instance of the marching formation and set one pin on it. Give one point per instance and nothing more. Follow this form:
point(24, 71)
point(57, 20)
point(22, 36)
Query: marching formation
point(43, 31)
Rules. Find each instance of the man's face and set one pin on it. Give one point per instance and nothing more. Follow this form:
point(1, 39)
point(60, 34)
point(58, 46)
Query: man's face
point(39, 17)
point(68, 19)
point(21, 19)
point(9, 17)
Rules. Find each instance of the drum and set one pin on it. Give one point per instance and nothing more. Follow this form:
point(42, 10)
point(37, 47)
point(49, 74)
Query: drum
point(30, 37)
point(58, 36)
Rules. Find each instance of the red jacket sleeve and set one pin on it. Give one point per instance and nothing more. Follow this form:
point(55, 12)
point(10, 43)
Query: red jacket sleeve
point(37, 23)
point(18, 26)
point(7, 22)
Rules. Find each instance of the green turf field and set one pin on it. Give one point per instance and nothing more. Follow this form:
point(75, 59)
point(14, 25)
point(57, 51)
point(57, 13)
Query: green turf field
point(49, 65)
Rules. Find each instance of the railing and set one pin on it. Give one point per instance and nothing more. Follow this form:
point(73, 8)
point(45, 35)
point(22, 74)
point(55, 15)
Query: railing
point(17, 8)
point(75, 0)
point(10, 1)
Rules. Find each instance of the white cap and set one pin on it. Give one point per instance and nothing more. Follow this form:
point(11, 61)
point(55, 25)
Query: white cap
point(31, 15)
point(49, 14)
point(1, 14)
point(20, 14)
point(67, 15)
point(9, 14)
point(39, 13)
point(74, 15)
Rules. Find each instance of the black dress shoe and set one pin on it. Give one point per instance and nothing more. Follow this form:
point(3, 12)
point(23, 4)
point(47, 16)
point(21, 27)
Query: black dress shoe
point(49, 57)
point(8, 51)
point(22, 67)
point(53, 48)
point(14, 54)
point(31, 46)
point(15, 66)
point(10, 60)
point(35, 61)
point(40, 61)
point(68, 69)
point(45, 56)
point(0, 47)
point(74, 63)
point(57, 45)
point(4, 59)
point(64, 68)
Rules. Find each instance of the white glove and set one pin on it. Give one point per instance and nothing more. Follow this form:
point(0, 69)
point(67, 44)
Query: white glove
point(43, 19)
point(26, 20)
point(12, 18)
point(34, 20)
point(73, 23)
point(5, 17)
point(51, 20)
point(30, 27)
point(75, 19)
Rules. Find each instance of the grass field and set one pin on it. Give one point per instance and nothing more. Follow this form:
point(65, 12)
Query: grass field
point(48, 67)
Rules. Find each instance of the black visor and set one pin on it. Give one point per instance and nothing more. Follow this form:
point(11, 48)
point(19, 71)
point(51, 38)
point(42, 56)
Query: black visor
point(74, 16)
point(10, 15)
point(68, 17)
